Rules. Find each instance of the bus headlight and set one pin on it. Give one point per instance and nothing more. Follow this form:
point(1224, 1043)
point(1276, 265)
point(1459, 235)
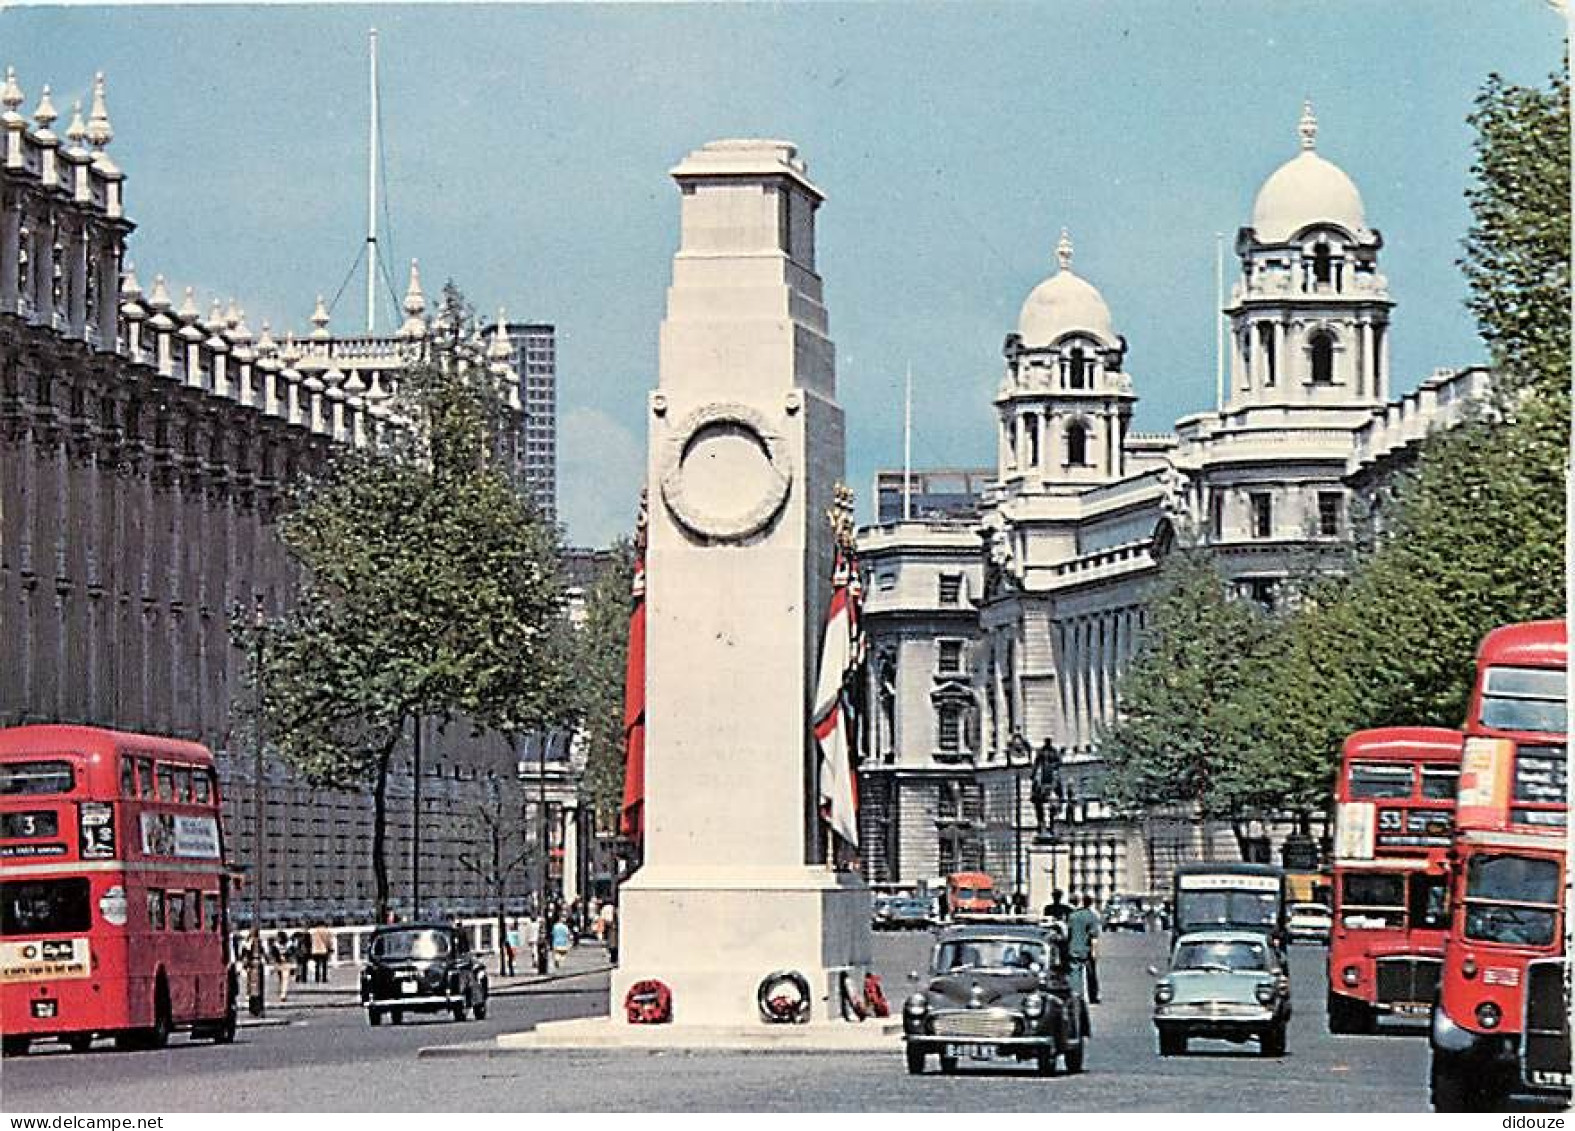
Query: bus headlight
point(1489, 1015)
point(1468, 968)
point(1350, 975)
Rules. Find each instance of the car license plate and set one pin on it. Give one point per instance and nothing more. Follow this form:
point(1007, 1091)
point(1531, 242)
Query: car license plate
point(45, 1008)
point(407, 987)
point(1410, 1009)
point(972, 1052)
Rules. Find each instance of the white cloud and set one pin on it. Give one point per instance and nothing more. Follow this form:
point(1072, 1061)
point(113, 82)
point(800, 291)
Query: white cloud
point(601, 468)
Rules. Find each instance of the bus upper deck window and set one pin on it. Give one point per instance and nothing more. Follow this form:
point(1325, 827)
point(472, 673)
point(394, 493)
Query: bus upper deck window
point(128, 776)
point(145, 777)
point(166, 779)
point(203, 783)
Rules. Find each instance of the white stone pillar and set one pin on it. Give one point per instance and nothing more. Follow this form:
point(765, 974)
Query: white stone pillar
point(571, 850)
point(1285, 375)
point(746, 445)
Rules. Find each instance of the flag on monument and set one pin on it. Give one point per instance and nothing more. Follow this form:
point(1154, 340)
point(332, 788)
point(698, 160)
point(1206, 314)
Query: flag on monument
point(631, 820)
point(838, 791)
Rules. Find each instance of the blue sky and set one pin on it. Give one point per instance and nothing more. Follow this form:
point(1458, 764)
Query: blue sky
point(527, 150)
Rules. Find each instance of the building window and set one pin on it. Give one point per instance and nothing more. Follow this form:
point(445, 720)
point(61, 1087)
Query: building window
point(1321, 348)
point(1076, 445)
point(1323, 265)
point(1266, 334)
point(1330, 504)
point(951, 655)
point(1078, 375)
point(886, 581)
point(1262, 514)
point(1217, 514)
point(948, 727)
point(951, 588)
point(1031, 427)
point(1263, 591)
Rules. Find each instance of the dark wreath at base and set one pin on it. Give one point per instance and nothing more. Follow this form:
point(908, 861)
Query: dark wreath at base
point(783, 998)
point(648, 1003)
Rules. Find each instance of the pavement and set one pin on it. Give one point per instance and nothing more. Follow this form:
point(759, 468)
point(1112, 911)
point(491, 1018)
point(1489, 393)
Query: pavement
point(343, 988)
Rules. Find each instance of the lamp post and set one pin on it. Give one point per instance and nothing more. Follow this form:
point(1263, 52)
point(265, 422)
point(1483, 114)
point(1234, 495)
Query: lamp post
point(1019, 755)
point(256, 986)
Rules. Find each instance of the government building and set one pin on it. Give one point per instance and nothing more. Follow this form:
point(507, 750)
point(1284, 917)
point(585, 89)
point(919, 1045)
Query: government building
point(1001, 616)
point(146, 447)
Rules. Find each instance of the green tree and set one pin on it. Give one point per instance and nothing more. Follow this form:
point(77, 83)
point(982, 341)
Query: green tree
point(602, 650)
point(429, 587)
point(1176, 736)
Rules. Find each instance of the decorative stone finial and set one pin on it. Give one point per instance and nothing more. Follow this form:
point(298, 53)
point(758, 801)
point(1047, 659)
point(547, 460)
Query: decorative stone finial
point(76, 132)
point(265, 343)
point(45, 114)
point(1063, 250)
point(215, 321)
point(320, 320)
point(99, 133)
point(188, 306)
point(129, 287)
point(11, 95)
point(1308, 127)
point(415, 301)
point(160, 298)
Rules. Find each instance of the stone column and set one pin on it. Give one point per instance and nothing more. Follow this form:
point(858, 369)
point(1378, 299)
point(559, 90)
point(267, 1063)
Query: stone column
point(746, 445)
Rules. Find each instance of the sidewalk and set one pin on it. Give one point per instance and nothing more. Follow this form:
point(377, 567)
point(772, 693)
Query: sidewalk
point(343, 988)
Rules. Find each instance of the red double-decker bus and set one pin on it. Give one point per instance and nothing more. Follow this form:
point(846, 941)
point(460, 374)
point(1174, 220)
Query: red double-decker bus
point(1501, 1024)
point(113, 895)
point(1394, 823)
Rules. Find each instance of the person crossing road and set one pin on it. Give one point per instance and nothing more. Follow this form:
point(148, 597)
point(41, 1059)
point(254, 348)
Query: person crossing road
point(1083, 927)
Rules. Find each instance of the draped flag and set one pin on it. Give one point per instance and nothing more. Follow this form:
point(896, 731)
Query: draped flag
point(840, 657)
point(631, 820)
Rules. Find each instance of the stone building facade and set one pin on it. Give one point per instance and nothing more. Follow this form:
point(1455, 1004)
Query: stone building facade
point(145, 449)
point(1083, 508)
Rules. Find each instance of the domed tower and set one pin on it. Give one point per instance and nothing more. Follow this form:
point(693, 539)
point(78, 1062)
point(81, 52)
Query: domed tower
point(1065, 403)
point(1310, 315)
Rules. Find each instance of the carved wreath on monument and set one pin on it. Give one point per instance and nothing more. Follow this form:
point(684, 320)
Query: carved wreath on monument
point(726, 473)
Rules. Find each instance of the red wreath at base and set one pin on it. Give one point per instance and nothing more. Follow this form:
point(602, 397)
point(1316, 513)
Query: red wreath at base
point(649, 1003)
point(875, 997)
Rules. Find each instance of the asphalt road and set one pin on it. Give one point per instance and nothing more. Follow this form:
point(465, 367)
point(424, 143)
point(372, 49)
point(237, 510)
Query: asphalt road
point(330, 1060)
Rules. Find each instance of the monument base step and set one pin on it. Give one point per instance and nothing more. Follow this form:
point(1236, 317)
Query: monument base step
point(882, 1035)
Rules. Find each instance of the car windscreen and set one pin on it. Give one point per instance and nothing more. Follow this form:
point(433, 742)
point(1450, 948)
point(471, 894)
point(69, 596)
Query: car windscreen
point(1197, 909)
point(1220, 956)
point(418, 945)
point(990, 954)
point(43, 907)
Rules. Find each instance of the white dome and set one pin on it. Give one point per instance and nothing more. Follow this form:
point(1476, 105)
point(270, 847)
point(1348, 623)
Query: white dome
point(1064, 303)
point(1306, 190)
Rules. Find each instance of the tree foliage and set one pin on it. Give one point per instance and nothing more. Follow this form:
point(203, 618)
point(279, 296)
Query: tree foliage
point(602, 650)
point(429, 587)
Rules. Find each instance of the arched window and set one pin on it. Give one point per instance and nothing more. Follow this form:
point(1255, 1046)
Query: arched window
point(1323, 264)
point(1031, 431)
point(1320, 348)
point(1076, 444)
point(1079, 369)
point(1266, 338)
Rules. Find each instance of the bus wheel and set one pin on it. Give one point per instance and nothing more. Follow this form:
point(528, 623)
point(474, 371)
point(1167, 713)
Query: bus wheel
point(1347, 1015)
point(159, 1035)
point(396, 1016)
point(1449, 1091)
point(224, 1032)
point(15, 1046)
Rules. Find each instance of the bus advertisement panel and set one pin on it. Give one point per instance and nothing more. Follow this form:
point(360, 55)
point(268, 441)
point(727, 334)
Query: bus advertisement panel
point(113, 895)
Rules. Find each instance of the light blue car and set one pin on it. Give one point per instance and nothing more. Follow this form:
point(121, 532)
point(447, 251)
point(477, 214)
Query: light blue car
point(1229, 985)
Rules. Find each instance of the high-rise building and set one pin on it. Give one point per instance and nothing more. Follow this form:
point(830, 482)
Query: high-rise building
point(535, 359)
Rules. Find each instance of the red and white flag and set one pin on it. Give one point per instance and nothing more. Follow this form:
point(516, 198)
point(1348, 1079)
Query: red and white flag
point(838, 654)
point(631, 820)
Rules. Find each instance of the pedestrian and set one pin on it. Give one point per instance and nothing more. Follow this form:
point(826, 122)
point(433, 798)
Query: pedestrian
point(531, 936)
point(283, 963)
point(301, 952)
point(561, 941)
point(1058, 909)
point(1082, 928)
point(322, 950)
point(511, 947)
point(610, 932)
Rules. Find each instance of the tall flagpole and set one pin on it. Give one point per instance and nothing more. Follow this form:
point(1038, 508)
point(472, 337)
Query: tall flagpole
point(1219, 321)
point(907, 448)
point(371, 196)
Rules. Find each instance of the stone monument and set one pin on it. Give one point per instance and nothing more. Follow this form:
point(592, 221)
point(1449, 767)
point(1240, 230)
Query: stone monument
point(746, 446)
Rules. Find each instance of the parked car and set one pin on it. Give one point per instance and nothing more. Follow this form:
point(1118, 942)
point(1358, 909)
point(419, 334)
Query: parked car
point(1309, 922)
point(1230, 985)
point(1124, 913)
point(909, 913)
point(996, 992)
point(880, 911)
point(422, 968)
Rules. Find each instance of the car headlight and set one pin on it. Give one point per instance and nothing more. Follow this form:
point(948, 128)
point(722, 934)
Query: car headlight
point(1350, 975)
point(918, 1003)
point(1489, 1015)
point(1164, 993)
point(1264, 992)
point(1034, 1005)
